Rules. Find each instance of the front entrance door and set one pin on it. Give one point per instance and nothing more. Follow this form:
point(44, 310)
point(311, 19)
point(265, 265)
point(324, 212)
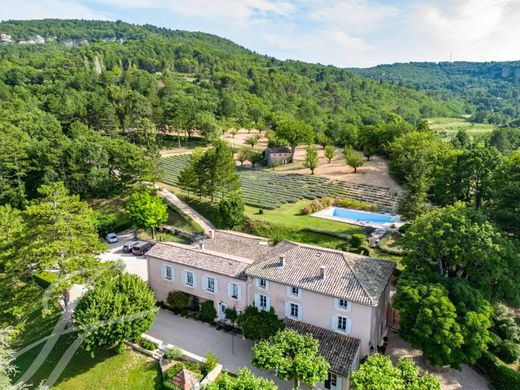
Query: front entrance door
point(332, 382)
point(221, 311)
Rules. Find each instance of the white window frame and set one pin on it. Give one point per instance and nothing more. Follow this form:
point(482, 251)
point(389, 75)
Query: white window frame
point(290, 292)
point(265, 282)
point(294, 307)
point(288, 310)
point(257, 302)
point(164, 273)
point(207, 286)
point(344, 319)
point(337, 304)
point(231, 286)
point(262, 297)
point(193, 279)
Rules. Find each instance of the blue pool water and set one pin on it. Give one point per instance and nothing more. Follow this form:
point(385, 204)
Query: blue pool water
point(363, 216)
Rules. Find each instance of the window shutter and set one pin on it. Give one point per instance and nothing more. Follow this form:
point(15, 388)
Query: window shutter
point(216, 285)
point(336, 303)
point(287, 309)
point(300, 312)
point(239, 288)
point(268, 303)
point(229, 289)
point(289, 289)
point(194, 280)
point(163, 271)
point(334, 323)
point(257, 300)
point(267, 284)
point(349, 326)
point(204, 283)
point(184, 277)
point(257, 281)
point(300, 292)
point(349, 306)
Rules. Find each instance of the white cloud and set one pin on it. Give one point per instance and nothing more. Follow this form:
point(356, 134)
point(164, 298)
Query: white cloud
point(40, 9)
point(353, 14)
point(345, 41)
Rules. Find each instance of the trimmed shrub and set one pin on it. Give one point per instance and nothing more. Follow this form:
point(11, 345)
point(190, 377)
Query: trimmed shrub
point(147, 345)
point(508, 351)
point(357, 240)
point(207, 312)
point(355, 204)
point(44, 278)
point(501, 376)
point(404, 228)
point(312, 207)
point(173, 353)
point(178, 301)
point(195, 304)
point(210, 363)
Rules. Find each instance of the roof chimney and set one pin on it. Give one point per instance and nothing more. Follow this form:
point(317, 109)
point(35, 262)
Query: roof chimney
point(322, 272)
point(281, 264)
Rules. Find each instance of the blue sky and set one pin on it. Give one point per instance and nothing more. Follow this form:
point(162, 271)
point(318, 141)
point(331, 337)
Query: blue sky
point(347, 33)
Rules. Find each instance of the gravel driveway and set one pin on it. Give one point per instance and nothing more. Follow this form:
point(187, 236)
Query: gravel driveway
point(134, 264)
point(449, 378)
point(233, 352)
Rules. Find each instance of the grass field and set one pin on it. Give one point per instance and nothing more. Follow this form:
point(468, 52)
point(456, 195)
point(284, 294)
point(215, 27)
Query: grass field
point(290, 215)
point(447, 127)
point(106, 370)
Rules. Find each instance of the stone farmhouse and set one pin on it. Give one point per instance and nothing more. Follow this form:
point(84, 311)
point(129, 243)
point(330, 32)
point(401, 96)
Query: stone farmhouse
point(341, 298)
point(277, 155)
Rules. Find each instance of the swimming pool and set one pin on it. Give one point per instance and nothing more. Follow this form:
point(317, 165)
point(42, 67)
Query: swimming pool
point(363, 216)
point(357, 217)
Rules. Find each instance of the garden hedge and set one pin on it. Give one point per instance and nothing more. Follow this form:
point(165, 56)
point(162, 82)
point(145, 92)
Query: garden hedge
point(501, 376)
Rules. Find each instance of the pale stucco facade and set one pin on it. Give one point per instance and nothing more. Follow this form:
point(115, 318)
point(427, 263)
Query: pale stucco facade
point(366, 323)
point(222, 292)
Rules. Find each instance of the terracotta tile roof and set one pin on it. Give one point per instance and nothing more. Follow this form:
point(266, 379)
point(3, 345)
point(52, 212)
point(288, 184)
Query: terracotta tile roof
point(185, 379)
point(348, 276)
point(278, 150)
point(203, 259)
point(339, 350)
point(238, 244)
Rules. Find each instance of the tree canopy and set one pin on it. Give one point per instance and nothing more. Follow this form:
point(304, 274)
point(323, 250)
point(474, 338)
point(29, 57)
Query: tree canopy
point(377, 372)
point(118, 308)
point(292, 356)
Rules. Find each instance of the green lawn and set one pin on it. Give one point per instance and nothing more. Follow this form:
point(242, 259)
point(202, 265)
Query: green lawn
point(449, 126)
point(106, 370)
point(290, 215)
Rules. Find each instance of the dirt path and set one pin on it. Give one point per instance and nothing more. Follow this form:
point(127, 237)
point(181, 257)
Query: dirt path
point(374, 172)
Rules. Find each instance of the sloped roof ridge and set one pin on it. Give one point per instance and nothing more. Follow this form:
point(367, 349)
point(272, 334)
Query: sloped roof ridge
point(357, 277)
point(210, 253)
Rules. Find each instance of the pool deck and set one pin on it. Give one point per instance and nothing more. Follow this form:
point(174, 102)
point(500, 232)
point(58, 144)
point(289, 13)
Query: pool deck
point(327, 214)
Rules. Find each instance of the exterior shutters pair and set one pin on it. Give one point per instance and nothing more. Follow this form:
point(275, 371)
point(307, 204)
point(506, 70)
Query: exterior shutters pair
point(230, 291)
point(290, 293)
point(163, 273)
point(205, 284)
point(257, 302)
point(288, 311)
point(185, 278)
point(348, 308)
point(334, 325)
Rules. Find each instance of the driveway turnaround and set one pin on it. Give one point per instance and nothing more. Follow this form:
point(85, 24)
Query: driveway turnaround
point(449, 378)
point(133, 264)
point(233, 352)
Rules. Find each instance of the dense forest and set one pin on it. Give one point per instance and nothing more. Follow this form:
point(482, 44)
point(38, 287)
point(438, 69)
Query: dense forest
point(491, 90)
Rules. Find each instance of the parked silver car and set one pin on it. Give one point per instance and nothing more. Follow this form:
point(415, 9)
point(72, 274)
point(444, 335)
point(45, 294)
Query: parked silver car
point(127, 247)
point(111, 238)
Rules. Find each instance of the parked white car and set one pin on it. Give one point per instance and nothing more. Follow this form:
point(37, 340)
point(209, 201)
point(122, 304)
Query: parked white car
point(111, 238)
